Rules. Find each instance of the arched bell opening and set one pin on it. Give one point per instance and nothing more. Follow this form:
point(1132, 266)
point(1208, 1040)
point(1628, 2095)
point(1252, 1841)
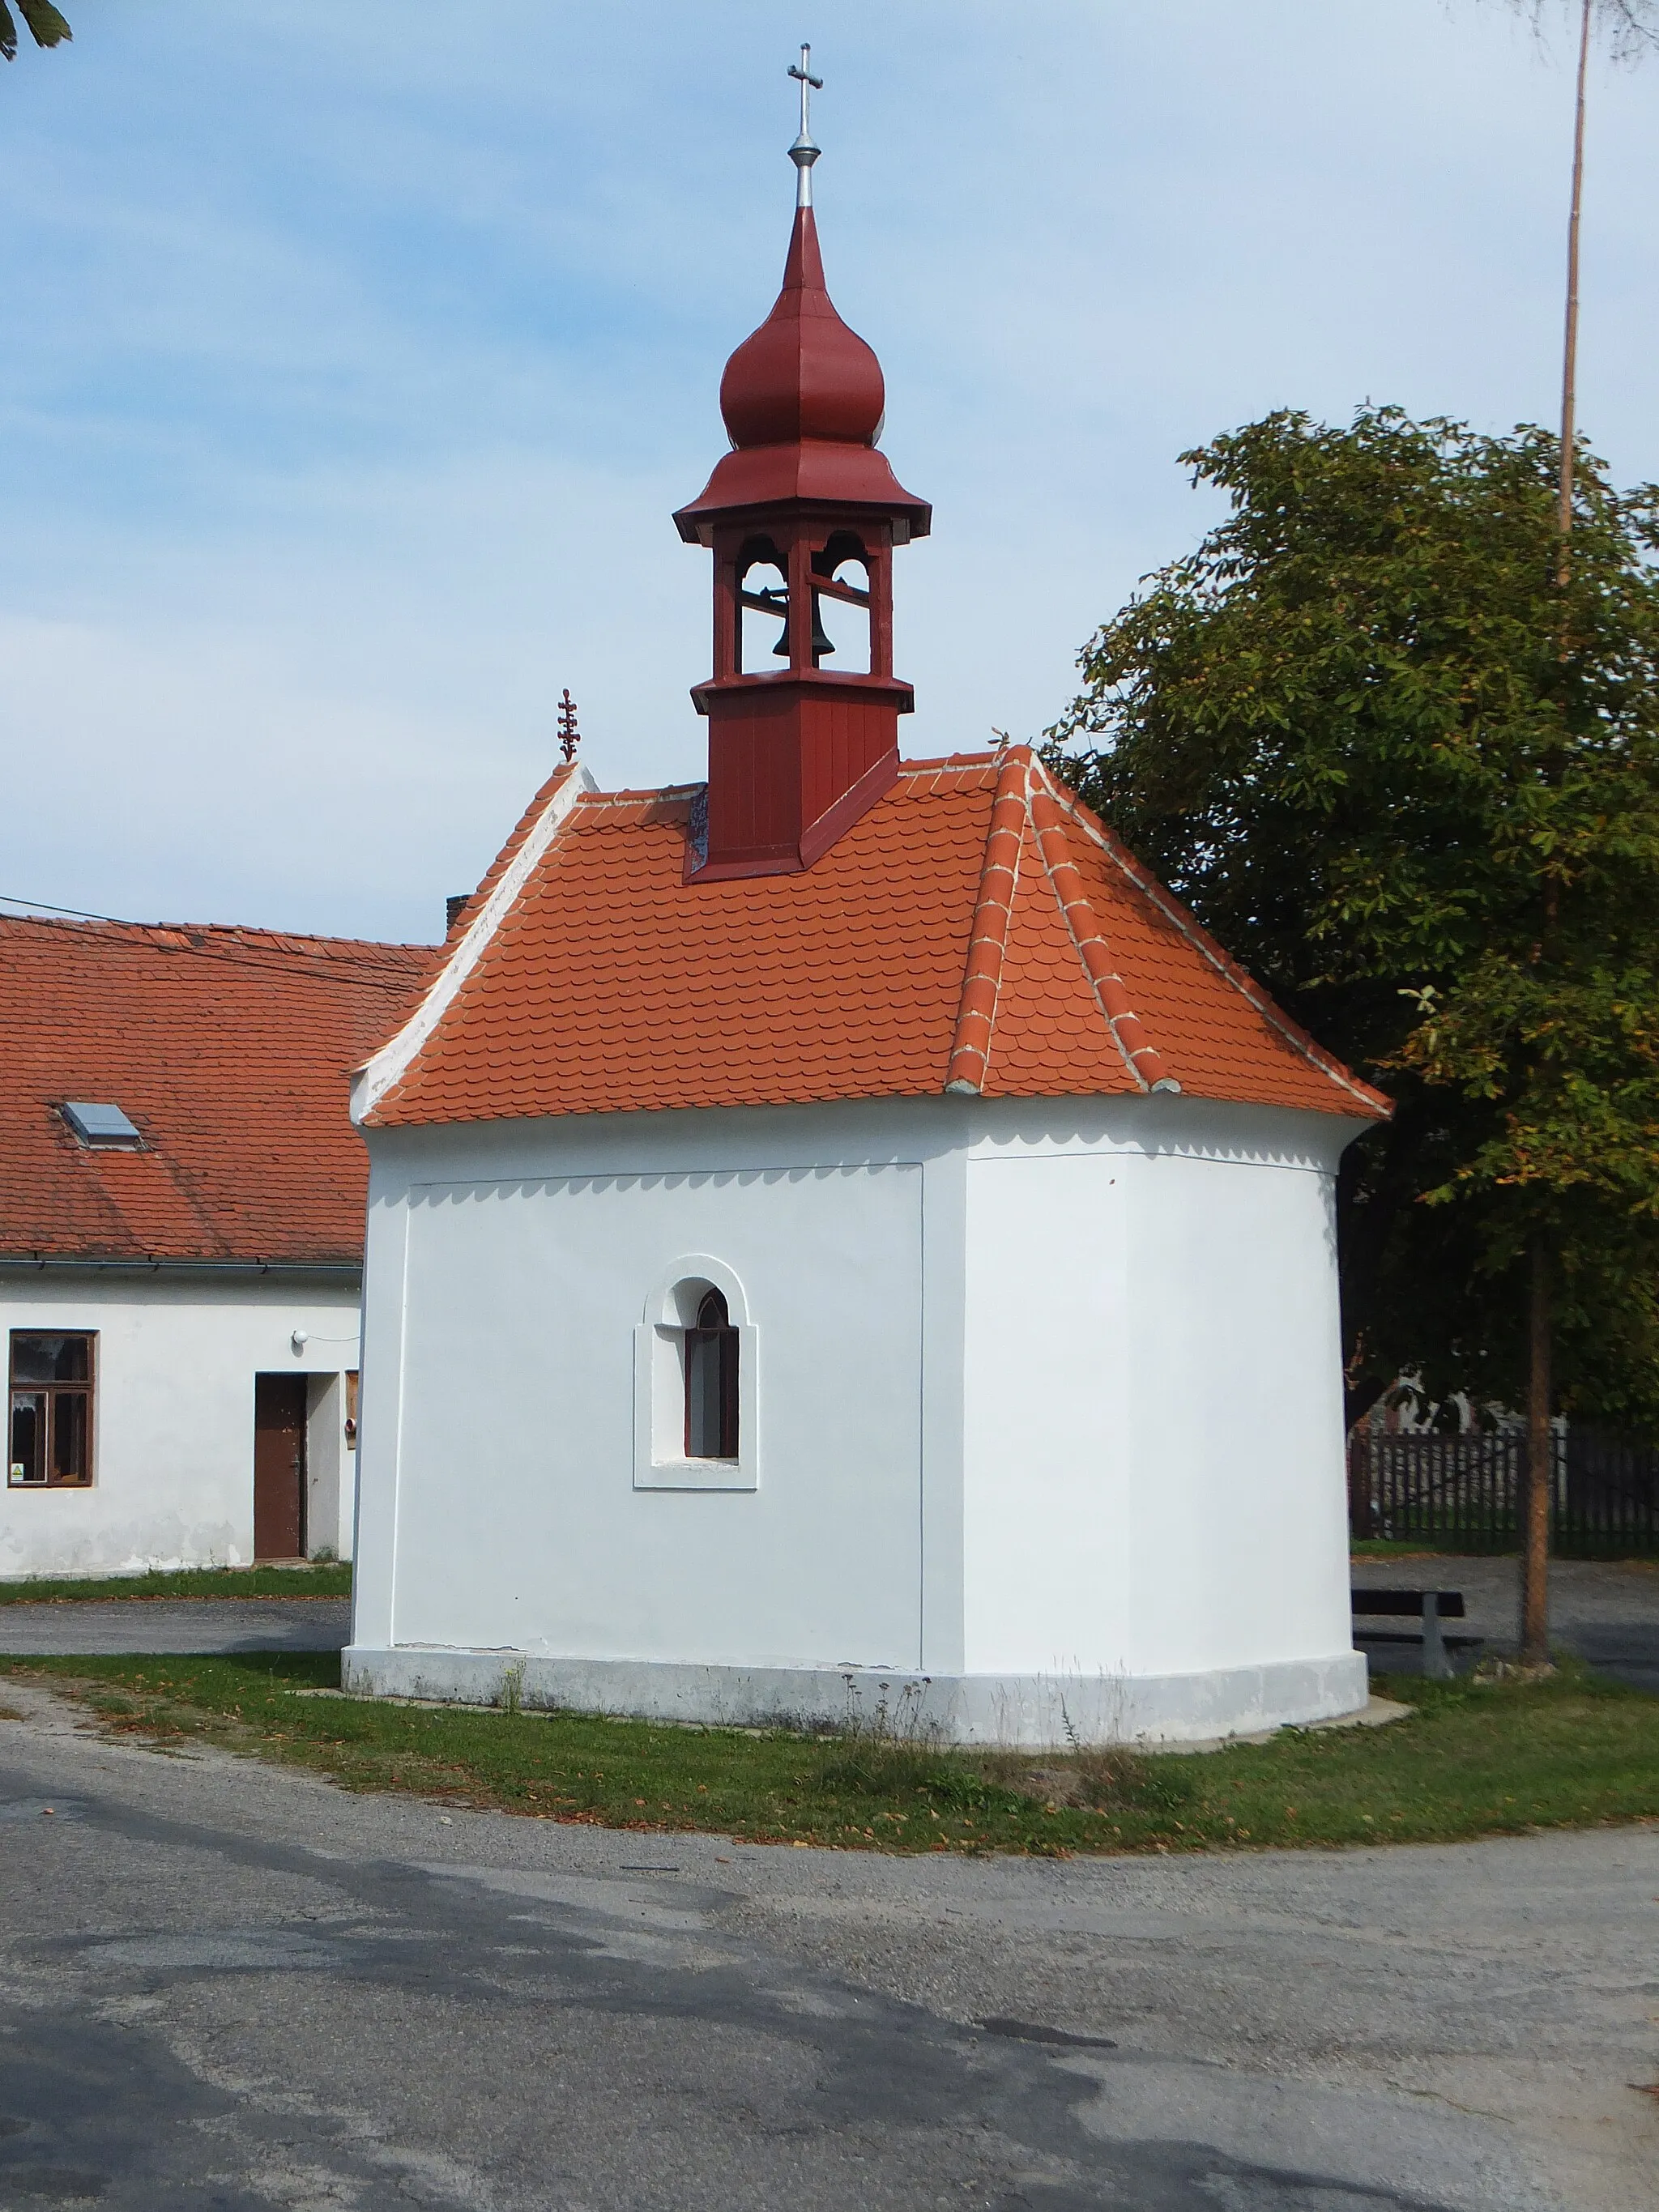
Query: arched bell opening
point(763, 593)
point(846, 599)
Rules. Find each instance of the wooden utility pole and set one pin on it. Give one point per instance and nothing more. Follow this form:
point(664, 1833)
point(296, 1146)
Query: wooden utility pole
point(1540, 1471)
point(1569, 350)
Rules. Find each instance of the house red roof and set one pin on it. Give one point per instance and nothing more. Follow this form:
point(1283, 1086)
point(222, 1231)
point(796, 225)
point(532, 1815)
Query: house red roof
point(229, 1048)
point(978, 929)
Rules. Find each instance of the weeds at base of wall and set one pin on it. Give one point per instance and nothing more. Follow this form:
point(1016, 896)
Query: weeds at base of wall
point(895, 1747)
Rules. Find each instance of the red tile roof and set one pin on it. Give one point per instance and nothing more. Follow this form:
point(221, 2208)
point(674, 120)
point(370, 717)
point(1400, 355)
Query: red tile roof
point(230, 1050)
point(978, 928)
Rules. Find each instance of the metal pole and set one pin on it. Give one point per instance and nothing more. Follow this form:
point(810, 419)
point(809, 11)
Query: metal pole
point(1569, 351)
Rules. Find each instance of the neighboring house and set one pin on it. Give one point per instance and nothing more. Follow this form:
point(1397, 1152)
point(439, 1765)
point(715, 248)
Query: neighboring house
point(181, 1210)
point(842, 1235)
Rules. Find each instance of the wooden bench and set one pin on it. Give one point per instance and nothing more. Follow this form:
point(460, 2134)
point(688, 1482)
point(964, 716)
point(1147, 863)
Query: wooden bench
point(1431, 1607)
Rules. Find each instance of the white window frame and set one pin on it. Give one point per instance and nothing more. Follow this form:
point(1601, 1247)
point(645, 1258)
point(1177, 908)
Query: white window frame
point(659, 1458)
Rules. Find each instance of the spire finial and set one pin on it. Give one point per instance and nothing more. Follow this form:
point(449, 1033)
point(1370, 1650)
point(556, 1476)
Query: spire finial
point(804, 152)
point(569, 736)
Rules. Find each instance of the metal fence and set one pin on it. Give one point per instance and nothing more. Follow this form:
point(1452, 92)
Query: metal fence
point(1465, 1492)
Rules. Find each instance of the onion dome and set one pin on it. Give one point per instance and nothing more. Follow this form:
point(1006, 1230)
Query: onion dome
point(803, 398)
point(803, 373)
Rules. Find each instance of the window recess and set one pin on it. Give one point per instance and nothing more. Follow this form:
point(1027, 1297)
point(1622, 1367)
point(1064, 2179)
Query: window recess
point(51, 1383)
point(711, 1383)
point(696, 1383)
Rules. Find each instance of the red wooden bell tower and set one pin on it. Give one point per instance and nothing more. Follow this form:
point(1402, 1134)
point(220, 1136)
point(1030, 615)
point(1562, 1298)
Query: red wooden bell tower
point(796, 753)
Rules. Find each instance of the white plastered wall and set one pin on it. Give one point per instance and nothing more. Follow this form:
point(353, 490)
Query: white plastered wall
point(1153, 1470)
point(1240, 1489)
point(172, 1467)
point(1044, 1391)
point(1047, 1473)
point(511, 1268)
point(521, 1518)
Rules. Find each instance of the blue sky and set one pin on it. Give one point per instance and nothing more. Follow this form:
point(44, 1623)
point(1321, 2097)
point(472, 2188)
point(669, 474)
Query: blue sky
point(352, 369)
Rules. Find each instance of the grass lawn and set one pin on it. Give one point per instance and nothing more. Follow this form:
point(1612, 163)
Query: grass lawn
point(1383, 1548)
point(333, 1580)
point(1474, 1758)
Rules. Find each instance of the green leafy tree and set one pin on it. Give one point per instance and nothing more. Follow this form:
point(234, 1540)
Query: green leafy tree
point(1629, 28)
point(1409, 774)
point(46, 25)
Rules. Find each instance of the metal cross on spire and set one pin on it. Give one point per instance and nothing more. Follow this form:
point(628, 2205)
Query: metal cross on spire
point(804, 152)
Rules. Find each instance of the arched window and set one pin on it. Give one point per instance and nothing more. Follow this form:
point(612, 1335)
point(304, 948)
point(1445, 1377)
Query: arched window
point(711, 1382)
point(696, 1375)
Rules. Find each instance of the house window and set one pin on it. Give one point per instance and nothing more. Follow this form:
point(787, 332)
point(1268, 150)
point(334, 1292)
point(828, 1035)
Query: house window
point(52, 1383)
point(711, 1382)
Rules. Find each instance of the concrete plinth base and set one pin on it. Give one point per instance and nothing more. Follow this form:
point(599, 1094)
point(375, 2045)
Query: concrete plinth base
point(1035, 1711)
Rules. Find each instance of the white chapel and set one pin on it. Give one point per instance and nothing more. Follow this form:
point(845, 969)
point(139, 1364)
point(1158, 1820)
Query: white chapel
point(841, 1236)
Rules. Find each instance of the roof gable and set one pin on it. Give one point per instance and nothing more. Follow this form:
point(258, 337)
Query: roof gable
point(977, 930)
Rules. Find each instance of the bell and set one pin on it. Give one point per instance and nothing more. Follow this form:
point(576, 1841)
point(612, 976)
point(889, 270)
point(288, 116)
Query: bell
point(821, 640)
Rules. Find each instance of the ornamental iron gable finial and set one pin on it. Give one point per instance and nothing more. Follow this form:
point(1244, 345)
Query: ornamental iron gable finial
point(569, 736)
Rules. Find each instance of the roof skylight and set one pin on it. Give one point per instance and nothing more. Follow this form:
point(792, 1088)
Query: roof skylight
point(102, 1125)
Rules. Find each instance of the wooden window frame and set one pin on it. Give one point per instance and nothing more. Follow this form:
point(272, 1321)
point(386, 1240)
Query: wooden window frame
point(53, 1393)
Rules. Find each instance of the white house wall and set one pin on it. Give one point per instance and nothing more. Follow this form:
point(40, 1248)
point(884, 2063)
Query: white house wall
point(173, 1443)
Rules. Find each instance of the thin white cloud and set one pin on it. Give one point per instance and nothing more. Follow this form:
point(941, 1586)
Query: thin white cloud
point(353, 369)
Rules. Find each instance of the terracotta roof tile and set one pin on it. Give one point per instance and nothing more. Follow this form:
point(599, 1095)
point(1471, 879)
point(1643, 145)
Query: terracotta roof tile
point(976, 927)
point(228, 1047)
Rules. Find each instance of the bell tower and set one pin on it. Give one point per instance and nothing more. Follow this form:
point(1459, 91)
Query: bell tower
point(797, 752)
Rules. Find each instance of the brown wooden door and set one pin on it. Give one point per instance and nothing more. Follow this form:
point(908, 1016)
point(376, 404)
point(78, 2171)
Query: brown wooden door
point(279, 1466)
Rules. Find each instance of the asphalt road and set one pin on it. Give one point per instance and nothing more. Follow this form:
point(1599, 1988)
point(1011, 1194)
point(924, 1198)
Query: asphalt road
point(277, 1623)
point(223, 1986)
point(1607, 1611)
